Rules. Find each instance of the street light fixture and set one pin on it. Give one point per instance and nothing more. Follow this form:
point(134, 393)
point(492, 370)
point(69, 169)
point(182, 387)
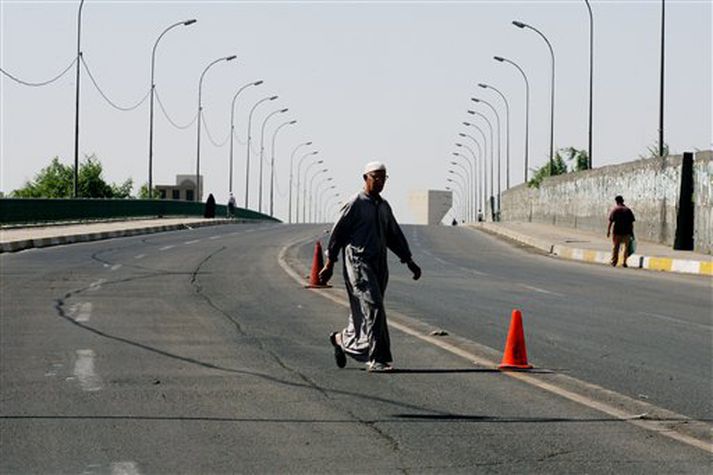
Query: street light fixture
point(299, 167)
point(472, 198)
point(311, 188)
point(262, 150)
point(304, 189)
point(232, 128)
point(272, 164)
point(521, 25)
point(497, 120)
point(319, 194)
point(76, 101)
point(292, 160)
point(481, 183)
point(507, 133)
point(200, 116)
point(591, 77)
point(469, 183)
point(247, 161)
point(153, 87)
point(527, 107)
point(492, 145)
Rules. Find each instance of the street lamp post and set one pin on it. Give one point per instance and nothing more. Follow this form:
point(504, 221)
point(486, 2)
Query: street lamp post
point(299, 167)
point(328, 203)
point(232, 129)
point(457, 196)
point(473, 180)
point(76, 101)
point(507, 134)
point(520, 24)
point(318, 201)
point(272, 164)
point(462, 192)
point(311, 188)
point(247, 161)
point(304, 188)
point(469, 183)
point(200, 112)
point(527, 108)
point(591, 78)
point(497, 122)
point(661, 80)
point(492, 163)
point(479, 203)
point(262, 150)
point(292, 160)
point(483, 165)
point(153, 87)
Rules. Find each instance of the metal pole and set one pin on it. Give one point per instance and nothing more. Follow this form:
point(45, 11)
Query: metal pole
point(497, 119)
point(262, 149)
point(232, 130)
point(272, 164)
point(299, 167)
point(527, 110)
point(507, 133)
point(151, 106)
point(311, 190)
point(492, 145)
point(591, 80)
point(76, 102)
point(200, 115)
point(292, 160)
point(304, 190)
point(483, 164)
point(478, 202)
point(247, 161)
point(661, 84)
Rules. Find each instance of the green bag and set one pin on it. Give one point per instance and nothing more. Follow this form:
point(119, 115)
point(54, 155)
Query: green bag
point(631, 248)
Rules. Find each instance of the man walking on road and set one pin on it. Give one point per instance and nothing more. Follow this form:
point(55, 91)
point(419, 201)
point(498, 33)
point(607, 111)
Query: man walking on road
point(363, 232)
point(622, 219)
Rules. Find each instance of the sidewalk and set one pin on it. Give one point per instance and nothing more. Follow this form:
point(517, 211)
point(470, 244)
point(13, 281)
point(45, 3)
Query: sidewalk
point(590, 247)
point(18, 239)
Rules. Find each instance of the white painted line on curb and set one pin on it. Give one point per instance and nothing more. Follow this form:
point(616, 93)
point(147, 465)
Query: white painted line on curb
point(677, 320)
point(606, 402)
point(84, 371)
point(166, 248)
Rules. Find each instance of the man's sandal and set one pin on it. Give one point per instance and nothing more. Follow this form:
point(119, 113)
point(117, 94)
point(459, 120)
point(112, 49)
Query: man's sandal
point(339, 357)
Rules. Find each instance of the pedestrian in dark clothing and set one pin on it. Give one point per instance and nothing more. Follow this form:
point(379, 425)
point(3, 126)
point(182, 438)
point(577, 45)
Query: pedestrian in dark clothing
point(363, 233)
point(209, 211)
point(621, 218)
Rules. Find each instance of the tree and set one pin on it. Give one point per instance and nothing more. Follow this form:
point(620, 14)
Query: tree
point(539, 174)
point(652, 151)
point(144, 192)
point(57, 181)
point(579, 158)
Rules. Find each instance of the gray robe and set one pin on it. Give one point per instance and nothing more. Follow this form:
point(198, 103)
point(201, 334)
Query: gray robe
point(363, 232)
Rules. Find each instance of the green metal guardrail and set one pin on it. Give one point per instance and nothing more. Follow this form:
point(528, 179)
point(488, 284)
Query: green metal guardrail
point(34, 210)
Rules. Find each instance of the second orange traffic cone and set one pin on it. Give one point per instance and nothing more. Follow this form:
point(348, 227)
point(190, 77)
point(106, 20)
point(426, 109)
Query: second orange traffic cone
point(317, 264)
point(515, 355)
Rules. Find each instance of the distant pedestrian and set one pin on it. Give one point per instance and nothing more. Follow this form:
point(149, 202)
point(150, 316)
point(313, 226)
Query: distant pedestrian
point(621, 218)
point(231, 206)
point(209, 210)
point(363, 232)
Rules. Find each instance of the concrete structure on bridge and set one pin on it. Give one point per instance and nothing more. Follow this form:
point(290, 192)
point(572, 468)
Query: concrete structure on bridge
point(650, 187)
point(430, 206)
point(184, 189)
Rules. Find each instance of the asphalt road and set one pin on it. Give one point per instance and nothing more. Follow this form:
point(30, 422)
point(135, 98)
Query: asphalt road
point(194, 352)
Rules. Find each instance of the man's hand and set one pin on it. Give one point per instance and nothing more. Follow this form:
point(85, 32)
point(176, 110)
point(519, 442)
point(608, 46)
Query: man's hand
point(415, 269)
point(608, 233)
point(326, 273)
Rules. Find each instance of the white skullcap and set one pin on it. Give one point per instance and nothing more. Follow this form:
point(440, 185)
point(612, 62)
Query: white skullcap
point(374, 166)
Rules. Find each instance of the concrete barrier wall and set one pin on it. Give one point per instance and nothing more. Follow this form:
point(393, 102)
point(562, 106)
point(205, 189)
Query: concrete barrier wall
point(650, 188)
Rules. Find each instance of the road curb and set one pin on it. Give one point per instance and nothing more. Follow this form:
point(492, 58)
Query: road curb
point(23, 244)
point(665, 264)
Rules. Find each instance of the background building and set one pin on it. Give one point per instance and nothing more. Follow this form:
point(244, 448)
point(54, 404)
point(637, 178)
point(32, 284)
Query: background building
point(184, 189)
point(430, 206)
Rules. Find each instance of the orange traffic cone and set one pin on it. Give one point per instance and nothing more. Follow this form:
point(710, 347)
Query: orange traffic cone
point(515, 355)
point(317, 264)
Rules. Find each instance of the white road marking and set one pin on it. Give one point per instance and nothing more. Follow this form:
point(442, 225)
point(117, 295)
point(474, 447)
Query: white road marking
point(451, 265)
point(166, 248)
point(115, 267)
point(542, 291)
point(677, 320)
point(192, 242)
point(140, 256)
point(84, 371)
point(609, 402)
point(96, 285)
point(124, 468)
point(80, 312)
point(214, 237)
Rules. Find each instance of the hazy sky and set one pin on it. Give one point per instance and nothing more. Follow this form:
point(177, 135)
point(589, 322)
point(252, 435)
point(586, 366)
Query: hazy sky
point(387, 81)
